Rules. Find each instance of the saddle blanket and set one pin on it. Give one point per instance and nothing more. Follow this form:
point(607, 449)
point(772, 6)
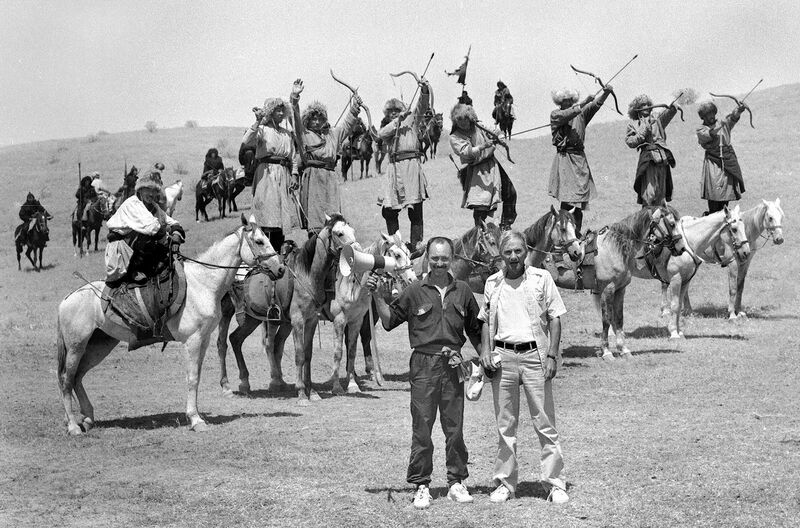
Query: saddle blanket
point(144, 307)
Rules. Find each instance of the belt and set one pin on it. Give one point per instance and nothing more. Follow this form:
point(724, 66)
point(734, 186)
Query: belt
point(404, 155)
point(569, 151)
point(319, 164)
point(286, 162)
point(517, 347)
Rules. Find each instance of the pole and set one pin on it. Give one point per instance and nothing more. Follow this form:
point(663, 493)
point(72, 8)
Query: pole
point(79, 212)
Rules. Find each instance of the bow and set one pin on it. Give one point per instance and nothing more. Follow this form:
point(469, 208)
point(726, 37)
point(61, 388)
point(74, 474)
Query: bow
point(740, 102)
point(419, 81)
point(372, 130)
point(677, 107)
point(496, 139)
point(601, 83)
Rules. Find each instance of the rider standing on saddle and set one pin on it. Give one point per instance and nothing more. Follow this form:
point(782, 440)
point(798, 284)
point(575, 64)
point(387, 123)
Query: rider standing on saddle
point(319, 185)
point(571, 181)
point(722, 176)
point(483, 180)
point(406, 186)
point(26, 213)
point(653, 183)
point(276, 177)
point(146, 229)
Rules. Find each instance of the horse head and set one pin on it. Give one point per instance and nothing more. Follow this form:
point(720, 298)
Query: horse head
point(393, 246)
point(258, 251)
point(487, 248)
point(40, 223)
point(737, 232)
point(773, 220)
point(663, 231)
point(341, 233)
point(563, 234)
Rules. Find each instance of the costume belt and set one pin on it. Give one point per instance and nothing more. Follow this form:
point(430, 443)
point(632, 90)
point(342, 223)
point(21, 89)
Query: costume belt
point(319, 164)
point(403, 155)
point(569, 150)
point(271, 160)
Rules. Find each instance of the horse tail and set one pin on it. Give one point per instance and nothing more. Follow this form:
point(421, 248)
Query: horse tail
point(61, 353)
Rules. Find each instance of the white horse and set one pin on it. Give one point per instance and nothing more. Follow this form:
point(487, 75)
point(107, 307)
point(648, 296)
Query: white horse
point(352, 303)
point(86, 336)
point(174, 194)
point(766, 216)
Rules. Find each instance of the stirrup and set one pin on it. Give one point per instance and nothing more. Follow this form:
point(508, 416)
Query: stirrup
point(274, 313)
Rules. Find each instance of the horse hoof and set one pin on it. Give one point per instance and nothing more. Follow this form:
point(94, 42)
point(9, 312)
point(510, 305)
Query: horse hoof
point(302, 401)
point(625, 354)
point(74, 430)
point(244, 388)
point(607, 356)
point(200, 427)
point(337, 388)
point(227, 392)
point(87, 424)
point(314, 396)
point(353, 388)
point(276, 386)
point(666, 312)
point(742, 316)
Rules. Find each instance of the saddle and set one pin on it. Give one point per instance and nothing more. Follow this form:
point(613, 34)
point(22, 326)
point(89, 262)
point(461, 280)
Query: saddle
point(576, 275)
point(145, 306)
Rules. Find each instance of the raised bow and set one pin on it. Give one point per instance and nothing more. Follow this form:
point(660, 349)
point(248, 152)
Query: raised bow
point(600, 82)
point(739, 102)
point(419, 83)
point(496, 139)
point(372, 130)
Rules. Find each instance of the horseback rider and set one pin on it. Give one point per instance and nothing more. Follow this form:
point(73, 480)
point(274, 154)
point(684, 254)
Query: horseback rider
point(142, 225)
point(213, 162)
point(722, 176)
point(483, 179)
point(319, 185)
point(464, 98)
point(571, 181)
point(86, 195)
point(277, 176)
point(26, 213)
point(653, 182)
point(406, 186)
point(500, 96)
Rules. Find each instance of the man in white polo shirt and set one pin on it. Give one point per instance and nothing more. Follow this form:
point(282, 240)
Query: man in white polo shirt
point(520, 343)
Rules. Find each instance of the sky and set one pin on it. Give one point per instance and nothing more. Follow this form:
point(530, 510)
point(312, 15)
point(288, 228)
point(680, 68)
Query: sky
point(71, 69)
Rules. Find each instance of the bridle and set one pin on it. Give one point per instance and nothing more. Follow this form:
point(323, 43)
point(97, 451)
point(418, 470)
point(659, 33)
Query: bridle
point(259, 258)
point(735, 244)
point(659, 238)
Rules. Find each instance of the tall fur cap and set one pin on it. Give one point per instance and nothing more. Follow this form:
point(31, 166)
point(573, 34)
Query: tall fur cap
point(640, 101)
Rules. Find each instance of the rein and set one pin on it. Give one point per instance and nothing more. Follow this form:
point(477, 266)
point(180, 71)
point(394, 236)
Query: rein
point(242, 238)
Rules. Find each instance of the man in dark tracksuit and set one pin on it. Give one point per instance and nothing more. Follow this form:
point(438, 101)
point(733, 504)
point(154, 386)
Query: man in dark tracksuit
point(439, 311)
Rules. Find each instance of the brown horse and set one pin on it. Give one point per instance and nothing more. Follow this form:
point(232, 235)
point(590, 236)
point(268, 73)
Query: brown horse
point(504, 115)
point(203, 195)
point(357, 147)
point(552, 234)
point(431, 134)
point(36, 240)
point(295, 302)
point(97, 211)
point(128, 188)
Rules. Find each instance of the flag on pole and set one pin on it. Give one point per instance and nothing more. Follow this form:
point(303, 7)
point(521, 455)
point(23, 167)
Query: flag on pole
point(461, 71)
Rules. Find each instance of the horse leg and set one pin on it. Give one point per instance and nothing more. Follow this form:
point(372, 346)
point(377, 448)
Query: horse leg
point(677, 290)
point(98, 348)
point(303, 333)
point(222, 342)
point(740, 276)
point(340, 330)
point(665, 309)
point(606, 312)
point(351, 344)
point(196, 347)
point(69, 358)
point(276, 340)
point(237, 339)
point(29, 254)
point(19, 257)
point(96, 238)
point(618, 320)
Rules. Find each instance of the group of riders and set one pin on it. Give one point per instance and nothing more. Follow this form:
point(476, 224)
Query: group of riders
point(289, 158)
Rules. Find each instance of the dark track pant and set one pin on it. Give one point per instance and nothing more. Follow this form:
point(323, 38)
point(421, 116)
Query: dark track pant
point(714, 206)
point(435, 385)
point(392, 217)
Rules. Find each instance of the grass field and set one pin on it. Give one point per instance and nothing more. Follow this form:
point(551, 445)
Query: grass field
point(702, 432)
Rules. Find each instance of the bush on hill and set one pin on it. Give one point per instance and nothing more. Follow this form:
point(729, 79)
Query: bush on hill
point(151, 126)
point(191, 124)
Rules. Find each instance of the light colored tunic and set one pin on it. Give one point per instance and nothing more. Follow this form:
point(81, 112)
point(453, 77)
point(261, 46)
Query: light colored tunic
point(653, 183)
point(481, 173)
point(133, 215)
point(319, 186)
point(273, 204)
point(570, 177)
point(718, 181)
point(405, 180)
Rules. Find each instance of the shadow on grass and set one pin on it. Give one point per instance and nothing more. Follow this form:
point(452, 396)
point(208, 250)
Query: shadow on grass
point(713, 311)
point(579, 352)
point(648, 332)
point(535, 490)
point(45, 267)
point(403, 378)
point(590, 352)
point(732, 337)
point(175, 420)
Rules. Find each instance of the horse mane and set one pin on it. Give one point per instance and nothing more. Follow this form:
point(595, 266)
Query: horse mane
point(472, 236)
point(630, 228)
point(535, 232)
point(304, 256)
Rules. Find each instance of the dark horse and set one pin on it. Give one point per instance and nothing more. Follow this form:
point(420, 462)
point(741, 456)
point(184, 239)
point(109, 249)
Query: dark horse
point(504, 116)
point(96, 212)
point(235, 186)
point(204, 195)
point(552, 234)
point(358, 147)
point(128, 188)
point(36, 240)
point(431, 134)
point(221, 186)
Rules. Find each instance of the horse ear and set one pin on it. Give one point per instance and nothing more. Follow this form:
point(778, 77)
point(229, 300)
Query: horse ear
point(483, 225)
point(387, 238)
point(763, 201)
point(553, 210)
point(778, 202)
point(244, 220)
point(327, 217)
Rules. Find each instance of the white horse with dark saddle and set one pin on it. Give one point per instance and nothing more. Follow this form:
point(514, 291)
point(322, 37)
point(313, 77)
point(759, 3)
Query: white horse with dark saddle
point(174, 194)
point(86, 335)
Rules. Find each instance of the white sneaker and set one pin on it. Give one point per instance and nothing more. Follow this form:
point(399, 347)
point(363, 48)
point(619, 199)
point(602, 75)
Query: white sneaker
point(474, 388)
point(501, 494)
point(558, 496)
point(422, 499)
point(459, 493)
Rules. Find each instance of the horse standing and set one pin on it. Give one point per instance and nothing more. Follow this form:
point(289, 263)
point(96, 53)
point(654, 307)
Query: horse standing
point(553, 233)
point(297, 295)
point(85, 336)
point(235, 186)
point(97, 211)
point(504, 115)
point(221, 186)
point(174, 193)
point(358, 147)
point(431, 134)
point(35, 241)
point(203, 195)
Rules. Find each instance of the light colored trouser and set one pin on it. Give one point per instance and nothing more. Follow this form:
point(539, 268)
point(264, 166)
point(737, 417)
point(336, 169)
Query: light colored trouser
point(525, 369)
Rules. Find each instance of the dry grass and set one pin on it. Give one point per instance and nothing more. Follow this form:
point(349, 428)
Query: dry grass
point(701, 433)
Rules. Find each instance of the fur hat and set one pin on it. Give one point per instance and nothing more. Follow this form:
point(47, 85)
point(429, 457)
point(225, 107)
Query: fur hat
point(158, 166)
point(393, 104)
point(150, 180)
point(706, 108)
point(271, 104)
point(462, 110)
point(562, 94)
point(95, 174)
point(30, 197)
point(500, 85)
point(640, 101)
point(315, 108)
